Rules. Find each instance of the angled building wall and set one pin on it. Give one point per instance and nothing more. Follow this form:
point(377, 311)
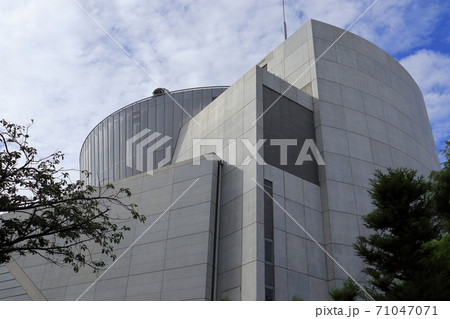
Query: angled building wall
point(173, 259)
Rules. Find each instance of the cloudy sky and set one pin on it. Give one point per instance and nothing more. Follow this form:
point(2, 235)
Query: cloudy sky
point(59, 67)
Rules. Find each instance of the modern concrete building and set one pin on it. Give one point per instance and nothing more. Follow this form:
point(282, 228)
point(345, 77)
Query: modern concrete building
point(252, 220)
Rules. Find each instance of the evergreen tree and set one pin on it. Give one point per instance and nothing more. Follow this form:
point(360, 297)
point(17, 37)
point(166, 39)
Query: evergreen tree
point(408, 255)
point(403, 221)
point(437, 261)
point(349, 292)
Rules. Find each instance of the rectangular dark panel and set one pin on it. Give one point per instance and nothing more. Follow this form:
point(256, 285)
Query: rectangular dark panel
point(270, 295)
point(268, 210)
point(268, 250)
point(286, 119)
point(269, 274)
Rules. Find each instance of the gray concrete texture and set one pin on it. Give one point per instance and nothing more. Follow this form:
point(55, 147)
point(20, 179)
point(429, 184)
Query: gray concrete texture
point(369, 114)
point(171, 261)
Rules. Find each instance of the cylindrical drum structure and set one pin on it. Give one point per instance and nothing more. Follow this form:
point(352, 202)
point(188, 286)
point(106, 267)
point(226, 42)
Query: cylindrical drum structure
point(109, 151)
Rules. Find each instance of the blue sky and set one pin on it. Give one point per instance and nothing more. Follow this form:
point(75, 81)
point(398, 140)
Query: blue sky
point(60, 69)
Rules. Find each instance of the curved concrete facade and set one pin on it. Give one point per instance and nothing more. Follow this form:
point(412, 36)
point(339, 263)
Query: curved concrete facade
point(360, 90)
point(104, 152)
point(369, 114)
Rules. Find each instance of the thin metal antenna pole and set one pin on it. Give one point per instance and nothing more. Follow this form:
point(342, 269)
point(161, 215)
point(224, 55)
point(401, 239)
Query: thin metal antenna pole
point(284, 23)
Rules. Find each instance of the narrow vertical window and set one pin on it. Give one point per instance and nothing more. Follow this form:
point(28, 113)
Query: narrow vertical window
point(269, 272)
point(268, 250)
point(270, 295)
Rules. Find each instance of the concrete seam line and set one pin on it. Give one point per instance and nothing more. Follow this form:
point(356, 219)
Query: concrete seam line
point(24, 281)
point(137, 239)
point(314, 240)
point(345, 31)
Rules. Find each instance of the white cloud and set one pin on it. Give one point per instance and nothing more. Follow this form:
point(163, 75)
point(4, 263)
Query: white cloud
point(431, 71)
point(61, 70)
point(58, 68)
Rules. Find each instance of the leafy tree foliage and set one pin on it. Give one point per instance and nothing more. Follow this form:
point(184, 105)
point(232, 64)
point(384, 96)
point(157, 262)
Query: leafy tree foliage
point(441, 188)
point(408, 253)
point(403, 220)
point(296, 298)
point(42, 212)
point(437, 265)
point(349, 292)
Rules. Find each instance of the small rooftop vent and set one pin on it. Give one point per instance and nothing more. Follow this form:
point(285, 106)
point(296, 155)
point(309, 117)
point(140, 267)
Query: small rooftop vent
point(159, 91)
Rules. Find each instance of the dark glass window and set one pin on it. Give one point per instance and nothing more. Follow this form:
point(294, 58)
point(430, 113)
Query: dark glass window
point(268, 250)
point(270, 296)
point(269, 272)
point(268, 210)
